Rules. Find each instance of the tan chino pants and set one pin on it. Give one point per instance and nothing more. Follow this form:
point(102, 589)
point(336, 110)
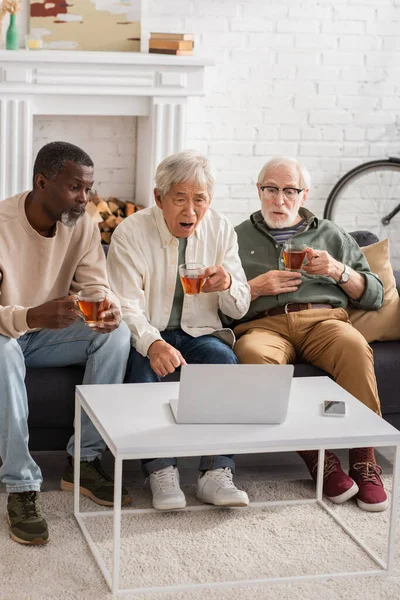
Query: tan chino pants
point(322, 337)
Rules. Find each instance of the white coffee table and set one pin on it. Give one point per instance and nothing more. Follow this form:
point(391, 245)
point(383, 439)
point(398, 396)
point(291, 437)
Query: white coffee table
point(136, 422)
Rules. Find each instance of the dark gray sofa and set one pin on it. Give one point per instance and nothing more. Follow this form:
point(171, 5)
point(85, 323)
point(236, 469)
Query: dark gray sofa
point(51, 391)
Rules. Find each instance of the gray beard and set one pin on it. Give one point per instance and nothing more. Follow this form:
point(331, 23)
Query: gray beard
point(288, 222)
point(68, 220)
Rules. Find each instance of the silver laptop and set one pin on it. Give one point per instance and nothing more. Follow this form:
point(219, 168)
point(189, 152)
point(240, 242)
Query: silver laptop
point(233, 394)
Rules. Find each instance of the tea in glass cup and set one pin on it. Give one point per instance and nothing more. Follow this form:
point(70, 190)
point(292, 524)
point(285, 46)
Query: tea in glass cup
point(294, 255)
point(91, 304)
point(192, 277)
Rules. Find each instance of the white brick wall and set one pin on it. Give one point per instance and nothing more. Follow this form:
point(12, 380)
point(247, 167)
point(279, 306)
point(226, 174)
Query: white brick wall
point(311, 78)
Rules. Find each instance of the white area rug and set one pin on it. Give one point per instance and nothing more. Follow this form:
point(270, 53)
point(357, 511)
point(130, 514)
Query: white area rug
point(162, 549)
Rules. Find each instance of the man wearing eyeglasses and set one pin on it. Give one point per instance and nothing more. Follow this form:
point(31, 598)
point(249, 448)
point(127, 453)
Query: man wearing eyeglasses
point(302, 313)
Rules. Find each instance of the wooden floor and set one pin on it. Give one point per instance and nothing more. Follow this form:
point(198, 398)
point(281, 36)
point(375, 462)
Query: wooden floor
point(283, 465)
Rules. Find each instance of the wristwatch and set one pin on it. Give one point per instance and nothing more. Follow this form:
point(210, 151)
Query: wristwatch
point(345, 276)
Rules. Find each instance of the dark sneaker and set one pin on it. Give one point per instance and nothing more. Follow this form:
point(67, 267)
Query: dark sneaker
point(96, 484)
point(338, 487)
point(371, 494)
point(24, 515)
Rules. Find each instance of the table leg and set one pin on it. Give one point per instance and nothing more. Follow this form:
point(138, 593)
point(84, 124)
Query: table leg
point(117, 523)
point(320, 473)
point(77, 455)
point(393, 510)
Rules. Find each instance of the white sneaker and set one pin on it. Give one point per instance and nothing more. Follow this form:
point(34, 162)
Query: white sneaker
point(216, 487)
point(164, 485)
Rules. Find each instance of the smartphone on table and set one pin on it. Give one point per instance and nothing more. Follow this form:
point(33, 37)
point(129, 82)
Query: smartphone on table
point(334, 408)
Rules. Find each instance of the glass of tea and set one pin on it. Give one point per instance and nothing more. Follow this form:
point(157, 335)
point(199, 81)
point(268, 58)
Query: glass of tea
point(294, 255)
point(192, 277)
point(91, 304)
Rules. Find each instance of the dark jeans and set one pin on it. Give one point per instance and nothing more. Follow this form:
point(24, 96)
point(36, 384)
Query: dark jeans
point(206, 349)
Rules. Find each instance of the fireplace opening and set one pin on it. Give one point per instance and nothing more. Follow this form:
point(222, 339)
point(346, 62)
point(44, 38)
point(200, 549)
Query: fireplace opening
point(110, 141)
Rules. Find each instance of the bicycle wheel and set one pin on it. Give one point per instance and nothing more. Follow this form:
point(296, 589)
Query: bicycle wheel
point(368, 197)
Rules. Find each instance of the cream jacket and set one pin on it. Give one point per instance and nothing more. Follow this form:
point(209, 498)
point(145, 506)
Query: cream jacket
point(142, 269)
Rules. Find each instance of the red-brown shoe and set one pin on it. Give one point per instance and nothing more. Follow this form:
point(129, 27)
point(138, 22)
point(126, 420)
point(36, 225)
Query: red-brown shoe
point(338, 487)
point(364, 470)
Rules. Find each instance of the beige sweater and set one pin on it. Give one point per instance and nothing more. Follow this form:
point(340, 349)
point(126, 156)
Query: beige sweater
point(35, 269)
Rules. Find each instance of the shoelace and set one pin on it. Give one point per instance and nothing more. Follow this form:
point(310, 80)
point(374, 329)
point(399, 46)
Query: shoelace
point(29, 504)
point(96, 467)
point(223, 477)
point(167, 479)
point(330, 465)
point(369, 472)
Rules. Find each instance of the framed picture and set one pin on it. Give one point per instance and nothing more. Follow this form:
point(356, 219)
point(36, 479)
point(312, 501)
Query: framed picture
point(103, 25)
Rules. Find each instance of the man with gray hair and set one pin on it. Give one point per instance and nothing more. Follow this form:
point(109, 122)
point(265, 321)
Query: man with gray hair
point(170, 328)
point(301, 312)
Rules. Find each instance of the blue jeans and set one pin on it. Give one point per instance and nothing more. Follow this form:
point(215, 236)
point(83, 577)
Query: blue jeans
point(105, 356)
point(206, 349)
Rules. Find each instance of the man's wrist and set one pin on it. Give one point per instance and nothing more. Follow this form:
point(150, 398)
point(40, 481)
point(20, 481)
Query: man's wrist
point(339, 271)
point(30, 319)
point(152, 346)
point(254, 290)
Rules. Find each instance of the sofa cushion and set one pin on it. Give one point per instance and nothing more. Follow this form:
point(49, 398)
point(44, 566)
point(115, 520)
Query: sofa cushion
point(387, 369)
point(307, 370)
point(382, 324)
point(49, 439)
point(51, 396)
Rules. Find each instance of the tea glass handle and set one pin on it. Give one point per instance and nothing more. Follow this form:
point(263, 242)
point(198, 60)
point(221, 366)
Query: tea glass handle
point(78, 310)
point(306, 260)
point(202, 283)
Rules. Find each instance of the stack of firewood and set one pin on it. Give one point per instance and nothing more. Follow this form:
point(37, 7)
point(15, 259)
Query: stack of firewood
point(109, 213)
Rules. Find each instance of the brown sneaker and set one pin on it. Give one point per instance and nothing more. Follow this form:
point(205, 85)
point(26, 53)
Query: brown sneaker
point(338, 487)
point(95, 483)
point(364, 470)
point(26, 520)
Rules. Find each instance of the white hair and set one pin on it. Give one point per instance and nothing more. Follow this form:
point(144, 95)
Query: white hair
point(188, 165)
point(305, 179)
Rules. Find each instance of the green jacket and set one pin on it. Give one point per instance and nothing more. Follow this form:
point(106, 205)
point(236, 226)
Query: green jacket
point(260, 253)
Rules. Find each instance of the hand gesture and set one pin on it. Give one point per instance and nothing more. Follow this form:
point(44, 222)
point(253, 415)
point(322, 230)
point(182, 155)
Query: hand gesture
point(111, 318)
point(55, 314)
point(322, 263)
point(164, 358)
point(217, 280)
point(273, 283)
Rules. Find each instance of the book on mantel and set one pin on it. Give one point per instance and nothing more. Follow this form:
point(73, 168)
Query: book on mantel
point(172, 36)
point(179, 44)
point(174, 52)
point(171, 44)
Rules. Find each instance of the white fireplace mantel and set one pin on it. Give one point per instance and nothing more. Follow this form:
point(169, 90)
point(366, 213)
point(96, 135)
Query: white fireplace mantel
point(153, 87)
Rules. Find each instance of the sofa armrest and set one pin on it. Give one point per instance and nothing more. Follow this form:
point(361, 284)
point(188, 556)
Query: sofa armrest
point(364, 237)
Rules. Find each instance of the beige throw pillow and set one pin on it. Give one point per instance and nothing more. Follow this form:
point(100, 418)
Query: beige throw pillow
point(383, 324)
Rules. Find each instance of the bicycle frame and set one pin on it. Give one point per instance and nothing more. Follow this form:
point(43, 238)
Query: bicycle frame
point(344, 180)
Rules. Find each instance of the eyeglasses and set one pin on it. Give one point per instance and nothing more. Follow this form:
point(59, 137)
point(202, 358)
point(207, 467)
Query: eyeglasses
point(272, 191)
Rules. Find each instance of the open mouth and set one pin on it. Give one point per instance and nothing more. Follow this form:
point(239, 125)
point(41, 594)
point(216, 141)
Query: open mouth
point(187, 226)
